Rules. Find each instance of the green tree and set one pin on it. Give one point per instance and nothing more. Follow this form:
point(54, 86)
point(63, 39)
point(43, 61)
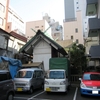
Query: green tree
point(77, 57)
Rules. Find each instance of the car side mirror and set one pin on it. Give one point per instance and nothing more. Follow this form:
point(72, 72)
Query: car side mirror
point(80, 79)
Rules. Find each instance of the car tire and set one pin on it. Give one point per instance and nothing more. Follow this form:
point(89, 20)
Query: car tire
point(82, 94)
point(47, 92)
point(66, 92)
point(31, 90)
point(68, 88)
point(42, 86)
point(10, 96)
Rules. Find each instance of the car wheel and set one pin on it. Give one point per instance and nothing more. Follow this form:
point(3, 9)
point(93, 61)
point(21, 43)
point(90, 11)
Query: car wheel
point(47, 92)
point(82, 95)
point(10, 96)
point(68, 88)
point(31, 90)
point(66, 91)
point(42, 86)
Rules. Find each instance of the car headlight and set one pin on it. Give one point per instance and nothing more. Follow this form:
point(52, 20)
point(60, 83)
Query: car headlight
point(46, 82)
point(83, 85)
point(63, 83)
point(27, 83)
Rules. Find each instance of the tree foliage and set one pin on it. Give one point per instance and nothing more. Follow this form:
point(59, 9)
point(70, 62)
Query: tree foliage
point(77, 56)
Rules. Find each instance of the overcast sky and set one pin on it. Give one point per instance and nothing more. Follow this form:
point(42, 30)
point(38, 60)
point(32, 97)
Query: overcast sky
point(30, 10)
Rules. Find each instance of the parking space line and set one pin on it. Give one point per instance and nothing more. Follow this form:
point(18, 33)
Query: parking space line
point(36, 95)
point(75, 94)
point(20, 98)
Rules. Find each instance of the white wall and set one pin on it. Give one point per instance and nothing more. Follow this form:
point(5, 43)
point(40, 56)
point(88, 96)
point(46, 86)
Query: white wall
point(42, 52)
point(15, 44)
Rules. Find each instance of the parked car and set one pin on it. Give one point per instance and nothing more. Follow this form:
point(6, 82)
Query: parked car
point(6, 86)
point(29, 79)
point(90, 84)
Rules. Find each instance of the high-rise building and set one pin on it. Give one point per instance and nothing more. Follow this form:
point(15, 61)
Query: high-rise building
point(15, 22)
point(56, 28)
point(74, 20)
point(4, 4)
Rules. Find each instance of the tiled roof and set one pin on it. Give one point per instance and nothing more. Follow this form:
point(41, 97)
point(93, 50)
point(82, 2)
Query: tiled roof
point(4, 31)
point(60, 48)
point(18, 36)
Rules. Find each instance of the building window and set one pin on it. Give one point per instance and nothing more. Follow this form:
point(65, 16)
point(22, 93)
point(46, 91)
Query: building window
point(20, 45)
point(76, 2)
point(5, 43)
point(77, 7)
point(1, 21)
point(2, 8)
point(77, 41)
point(90, 13)
point(71, 37)
point(76, 30)
point(8, 27)
point(36, 26)
point(10, 44)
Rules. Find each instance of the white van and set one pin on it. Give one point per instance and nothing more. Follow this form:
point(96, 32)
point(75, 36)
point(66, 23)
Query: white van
point(57, 81)
point(29, 79)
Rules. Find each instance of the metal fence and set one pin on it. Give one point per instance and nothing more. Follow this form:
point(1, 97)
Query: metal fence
point(75, 79)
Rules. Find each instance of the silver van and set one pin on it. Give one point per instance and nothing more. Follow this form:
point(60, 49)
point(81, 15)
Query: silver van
point(28, 79)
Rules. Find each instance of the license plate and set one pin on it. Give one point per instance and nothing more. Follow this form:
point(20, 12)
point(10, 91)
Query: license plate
point(48, 89)
point(94, 92)
point(19, 89)
point(54, 88)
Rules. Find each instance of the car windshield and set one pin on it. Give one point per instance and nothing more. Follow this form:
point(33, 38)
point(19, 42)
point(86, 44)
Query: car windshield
point(24, 74)
point(91, 77)
point(56, 75)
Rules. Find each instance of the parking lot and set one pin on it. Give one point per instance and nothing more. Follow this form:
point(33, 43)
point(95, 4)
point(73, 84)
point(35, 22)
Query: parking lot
point(73, 94)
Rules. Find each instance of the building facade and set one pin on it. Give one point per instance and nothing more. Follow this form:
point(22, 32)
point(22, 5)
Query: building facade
point(33, 26)
point(4, 4)
point(73, 29)
point(4, 38)
point(16, 42)
point(15, 22)
point(56, 29)
point(93, 42)
point(75, 21)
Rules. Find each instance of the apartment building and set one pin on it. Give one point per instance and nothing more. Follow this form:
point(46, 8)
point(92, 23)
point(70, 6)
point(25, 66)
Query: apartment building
point(16, 42)
point(73, 29)
point(4, 4)
point(33, 26)
point(74, 22)
point(56, 28)
point(15, 22)
point(93, 41)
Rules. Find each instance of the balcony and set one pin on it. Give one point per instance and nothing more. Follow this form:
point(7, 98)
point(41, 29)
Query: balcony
point(92, 7)
point(94, 27)
point(94, 52)
point(70, 19)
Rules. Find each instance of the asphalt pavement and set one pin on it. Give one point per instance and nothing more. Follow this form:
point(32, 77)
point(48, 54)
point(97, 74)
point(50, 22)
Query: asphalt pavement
point(73, 94)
